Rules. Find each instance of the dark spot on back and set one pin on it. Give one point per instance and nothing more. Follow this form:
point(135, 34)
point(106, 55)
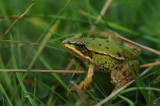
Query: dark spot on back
point(93, 38)
point(107, 47)
point(119, 55)
point(99, 44)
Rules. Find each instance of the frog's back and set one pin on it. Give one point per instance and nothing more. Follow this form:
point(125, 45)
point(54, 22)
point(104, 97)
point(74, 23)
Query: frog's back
point(104, 45)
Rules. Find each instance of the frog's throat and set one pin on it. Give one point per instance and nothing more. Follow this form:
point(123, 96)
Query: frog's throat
point(108, 54)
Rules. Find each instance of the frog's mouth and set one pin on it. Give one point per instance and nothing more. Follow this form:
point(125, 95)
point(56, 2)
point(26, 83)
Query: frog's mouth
point(79, 51)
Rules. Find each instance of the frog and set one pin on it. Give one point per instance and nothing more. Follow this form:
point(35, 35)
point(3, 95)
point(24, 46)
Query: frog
point(108, 55)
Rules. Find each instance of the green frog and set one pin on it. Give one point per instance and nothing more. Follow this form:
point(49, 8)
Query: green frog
point(104, 55)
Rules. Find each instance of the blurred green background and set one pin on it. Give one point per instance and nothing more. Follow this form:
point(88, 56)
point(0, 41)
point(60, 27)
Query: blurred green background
point(34, 42)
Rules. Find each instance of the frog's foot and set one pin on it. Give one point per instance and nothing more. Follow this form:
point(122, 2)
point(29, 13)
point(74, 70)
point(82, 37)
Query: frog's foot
point(88, 80)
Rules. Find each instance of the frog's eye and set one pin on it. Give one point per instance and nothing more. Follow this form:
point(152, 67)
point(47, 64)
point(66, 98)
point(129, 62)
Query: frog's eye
point(79, 44)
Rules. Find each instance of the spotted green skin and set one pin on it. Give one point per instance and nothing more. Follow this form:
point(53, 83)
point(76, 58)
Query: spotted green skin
point(98, 47)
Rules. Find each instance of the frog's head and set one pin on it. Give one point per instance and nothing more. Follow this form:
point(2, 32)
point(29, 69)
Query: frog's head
point(77, 46)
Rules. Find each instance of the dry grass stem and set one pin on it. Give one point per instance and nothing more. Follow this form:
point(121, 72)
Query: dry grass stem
point(43, 71)
point(150, 64)
point(12, 17)
point(144, 47)
point(16, 21)
point(113, 94)
point(103, 11)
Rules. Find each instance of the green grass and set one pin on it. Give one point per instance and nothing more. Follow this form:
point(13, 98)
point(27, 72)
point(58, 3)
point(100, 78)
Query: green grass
point(48, 23)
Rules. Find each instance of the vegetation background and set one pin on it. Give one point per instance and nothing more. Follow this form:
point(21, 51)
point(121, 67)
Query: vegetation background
point(34, 42)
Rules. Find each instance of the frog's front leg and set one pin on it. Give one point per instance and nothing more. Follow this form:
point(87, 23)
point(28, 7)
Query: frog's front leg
point(88, 79)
